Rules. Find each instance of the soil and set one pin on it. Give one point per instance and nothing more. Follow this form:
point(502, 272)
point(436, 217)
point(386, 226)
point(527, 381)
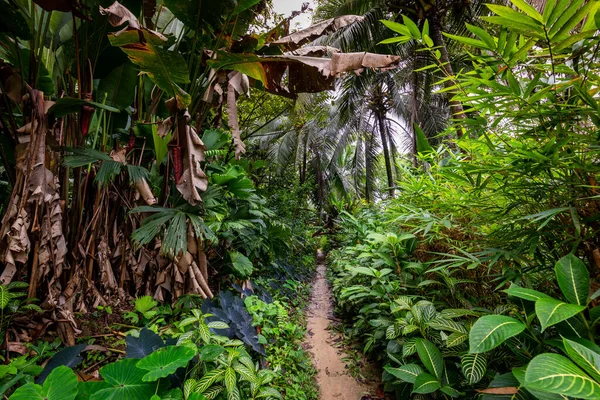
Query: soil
point(333, 376)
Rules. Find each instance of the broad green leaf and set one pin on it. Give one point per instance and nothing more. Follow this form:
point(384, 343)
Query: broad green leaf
point(70, 105)
point(490, 331)
point(431, 357)
point(61, 384)
point(573, 279)
point(473, 367)
point(125, 382)
point(554, 373)
point(165, 361)
point(119, 86)
point(585, 357)
point(407, 373)
point(525, 294)
point(166, 68)
point(241, 264)
point(552, 311)
point(426, 383)
point(85, 390)
point(210, 352)
point(363, 271)
point(450, 391)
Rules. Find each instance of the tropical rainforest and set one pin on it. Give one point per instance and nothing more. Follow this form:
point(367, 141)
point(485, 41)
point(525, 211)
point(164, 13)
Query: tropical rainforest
point(173, 172)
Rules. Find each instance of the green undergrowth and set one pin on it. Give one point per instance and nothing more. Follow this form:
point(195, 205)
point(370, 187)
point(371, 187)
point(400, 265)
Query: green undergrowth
point(282, 327)
point(239, 345)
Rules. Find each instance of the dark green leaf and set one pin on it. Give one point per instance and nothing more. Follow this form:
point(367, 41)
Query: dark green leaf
point(573, 279)
point(491, 331)
point(552, 311)
point(554, 373)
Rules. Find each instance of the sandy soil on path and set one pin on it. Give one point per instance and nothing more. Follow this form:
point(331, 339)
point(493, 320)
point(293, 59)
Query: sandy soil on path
point(332, 377)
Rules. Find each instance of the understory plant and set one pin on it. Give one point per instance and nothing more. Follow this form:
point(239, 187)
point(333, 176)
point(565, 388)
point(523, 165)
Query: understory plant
point(475, 309)
point(195, 363)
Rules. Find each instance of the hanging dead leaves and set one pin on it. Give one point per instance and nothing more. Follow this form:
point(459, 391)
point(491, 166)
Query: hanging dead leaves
point(32, 234)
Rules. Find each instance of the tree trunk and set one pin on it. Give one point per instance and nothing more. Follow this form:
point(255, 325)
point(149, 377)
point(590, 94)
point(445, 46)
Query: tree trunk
point(369, 169)
point(304, 157)
point(414, 116)
point(386, 152)
point(435, 30)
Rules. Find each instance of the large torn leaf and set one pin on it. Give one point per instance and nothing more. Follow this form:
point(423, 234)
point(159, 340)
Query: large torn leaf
point(145, 49)
point(193, 179)
point(291, 74)
point(297, 39)
point(235, 86)
point(313, 51)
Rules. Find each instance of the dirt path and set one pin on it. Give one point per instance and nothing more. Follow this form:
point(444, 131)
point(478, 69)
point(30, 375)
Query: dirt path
point(332, 377)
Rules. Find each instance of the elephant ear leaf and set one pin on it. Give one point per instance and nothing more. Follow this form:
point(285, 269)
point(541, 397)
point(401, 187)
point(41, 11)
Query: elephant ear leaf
point(164, 362)
point(553, 373)
point(573, 279)
point(143, 345)
point(124, 381)
point(61, 384)
point(68, 357)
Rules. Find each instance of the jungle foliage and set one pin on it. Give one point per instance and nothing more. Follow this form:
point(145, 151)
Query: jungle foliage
point(480, 279)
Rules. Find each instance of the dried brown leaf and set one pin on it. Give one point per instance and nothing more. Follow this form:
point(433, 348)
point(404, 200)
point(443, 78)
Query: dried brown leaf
point(313, 51)
point(297, 39)
point(232, 120)
point(193, 179)
point(119, 14)
point(502, 390)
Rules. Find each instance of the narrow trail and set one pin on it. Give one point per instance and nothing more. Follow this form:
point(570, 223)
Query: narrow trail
point(333, 377)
